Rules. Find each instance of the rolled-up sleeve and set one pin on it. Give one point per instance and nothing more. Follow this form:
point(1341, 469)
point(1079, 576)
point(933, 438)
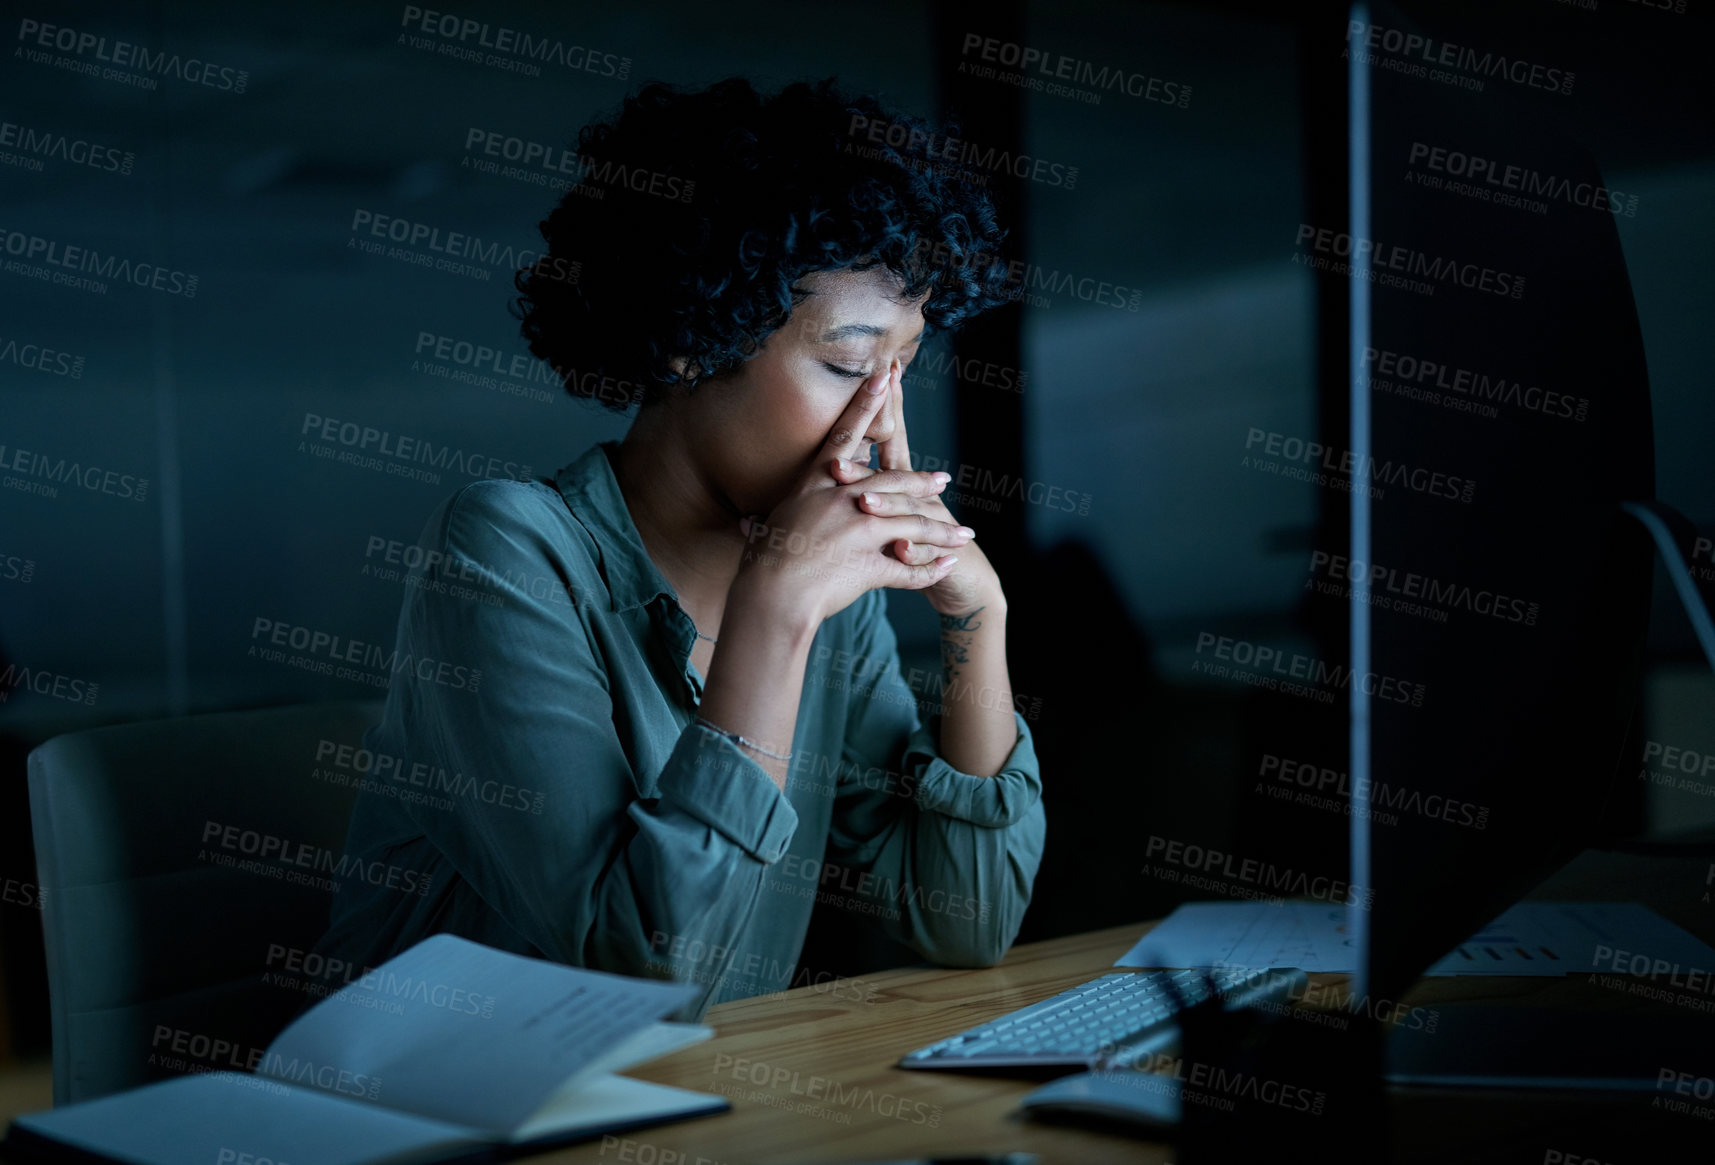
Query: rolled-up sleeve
point(953, 856)
point(592, 872)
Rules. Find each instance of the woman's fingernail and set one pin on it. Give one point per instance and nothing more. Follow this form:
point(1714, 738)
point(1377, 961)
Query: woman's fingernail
point(870, 499)
point(951, 559)
point(943, 478)
point(965, 532)
point(878, 382)
point(844, 465)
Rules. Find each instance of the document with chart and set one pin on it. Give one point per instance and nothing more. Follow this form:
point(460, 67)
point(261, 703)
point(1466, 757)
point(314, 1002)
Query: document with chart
point(1530, 939)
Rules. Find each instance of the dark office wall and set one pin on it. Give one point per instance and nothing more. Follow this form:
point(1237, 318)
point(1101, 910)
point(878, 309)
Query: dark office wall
point(209, 397)
point(154, 597)
point(1186, 196)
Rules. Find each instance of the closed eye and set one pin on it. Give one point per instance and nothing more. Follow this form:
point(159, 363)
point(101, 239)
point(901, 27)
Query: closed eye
point(857, 374)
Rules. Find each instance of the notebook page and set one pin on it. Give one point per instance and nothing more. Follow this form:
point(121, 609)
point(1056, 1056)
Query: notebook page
point(222, 1116)
point(461, 1032)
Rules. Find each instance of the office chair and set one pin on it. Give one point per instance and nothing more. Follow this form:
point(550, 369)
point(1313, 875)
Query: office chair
point(175, 879)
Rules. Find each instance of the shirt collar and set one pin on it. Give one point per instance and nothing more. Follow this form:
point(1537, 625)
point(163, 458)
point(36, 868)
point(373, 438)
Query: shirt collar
point(592, 492)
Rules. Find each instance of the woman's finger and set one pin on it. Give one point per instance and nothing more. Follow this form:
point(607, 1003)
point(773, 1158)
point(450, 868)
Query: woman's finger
point(919, 553)
point(918, 578)
point(922, 528)
point(895, 452)
point(848, 432)
point(895, 481)
point(893, 504)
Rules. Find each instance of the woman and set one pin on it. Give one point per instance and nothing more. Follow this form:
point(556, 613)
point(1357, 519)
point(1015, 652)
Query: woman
point(759, 275)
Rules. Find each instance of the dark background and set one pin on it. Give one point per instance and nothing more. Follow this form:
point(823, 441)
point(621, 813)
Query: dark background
point(1143, 411)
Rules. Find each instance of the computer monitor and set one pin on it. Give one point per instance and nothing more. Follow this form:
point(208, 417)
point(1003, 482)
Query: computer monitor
point(1494, 591)
point(1501, 407)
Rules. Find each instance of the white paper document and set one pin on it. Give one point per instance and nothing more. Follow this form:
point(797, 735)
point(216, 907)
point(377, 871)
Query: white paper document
point(1530, 939)
point(1308, 935)
point(1572, 938)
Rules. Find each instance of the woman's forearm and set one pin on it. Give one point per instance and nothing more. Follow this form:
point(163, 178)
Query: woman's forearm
point(977, 725)
point(757, 673)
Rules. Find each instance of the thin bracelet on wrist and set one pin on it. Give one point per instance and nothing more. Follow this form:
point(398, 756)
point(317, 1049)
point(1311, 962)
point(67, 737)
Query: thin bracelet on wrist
point(747, 743)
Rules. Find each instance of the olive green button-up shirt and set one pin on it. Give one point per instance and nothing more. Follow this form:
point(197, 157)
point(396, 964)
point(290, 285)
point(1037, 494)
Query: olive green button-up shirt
point(539, 783)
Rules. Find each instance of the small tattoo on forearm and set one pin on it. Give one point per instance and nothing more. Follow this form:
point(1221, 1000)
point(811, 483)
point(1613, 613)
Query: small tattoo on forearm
point(956, 640)
point(962, 622)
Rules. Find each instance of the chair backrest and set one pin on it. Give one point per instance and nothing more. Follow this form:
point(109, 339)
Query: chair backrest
point(186, 868)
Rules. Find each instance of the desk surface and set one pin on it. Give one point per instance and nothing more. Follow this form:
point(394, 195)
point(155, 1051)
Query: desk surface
point(811, 1038)
point(771, 1055)
point(833, 1053)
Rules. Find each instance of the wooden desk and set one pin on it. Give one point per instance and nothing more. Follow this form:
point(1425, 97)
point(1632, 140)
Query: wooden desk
point(841, 1045)
point(834, 1055)
point(27, 1087)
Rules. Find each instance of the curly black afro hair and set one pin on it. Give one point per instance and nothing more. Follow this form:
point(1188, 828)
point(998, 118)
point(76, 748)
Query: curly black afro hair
point(696, 213)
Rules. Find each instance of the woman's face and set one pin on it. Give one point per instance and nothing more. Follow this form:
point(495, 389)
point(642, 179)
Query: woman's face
point(759, 429)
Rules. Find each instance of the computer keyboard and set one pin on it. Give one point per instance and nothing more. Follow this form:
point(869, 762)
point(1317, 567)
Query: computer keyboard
point(1110, 1021)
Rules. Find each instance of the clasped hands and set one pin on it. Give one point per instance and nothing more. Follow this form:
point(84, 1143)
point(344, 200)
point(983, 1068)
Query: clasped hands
point(849, 528)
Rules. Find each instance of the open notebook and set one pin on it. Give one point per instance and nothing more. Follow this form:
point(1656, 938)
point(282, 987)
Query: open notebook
point(452, 1051)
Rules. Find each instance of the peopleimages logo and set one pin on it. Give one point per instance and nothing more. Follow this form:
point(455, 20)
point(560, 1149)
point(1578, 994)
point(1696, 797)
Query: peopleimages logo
point(1405, 587)
point(1024, 280)
point(337, 649)
point(1510, 184)
point(454, 248)
point(958, 154)
point(42, 474)
point(328, 1077)
point(1220, 1087)
point(16, 568)
point(1423, 56)
point(935, 362)
point(1261, 879)
point(1051, 69)
point(54, 261)
point(630, 1151)
point(776, 1079)
point(205, 1049)
point(560, 168)
point(37, 144)
point(866, 889)
point(463, 38)
point(46, 683)
point(123, 55)
point(1383, 798)
point(1272, 663)
point(1340, 466)
point(690, 958)
point(386, 768)
point(1685, 760)
point(516, 373)
point(1404, 374)
point(367, 447)
point(1394, 261)
point(274, 854)
point(1684, 1084)
point(38, 358)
